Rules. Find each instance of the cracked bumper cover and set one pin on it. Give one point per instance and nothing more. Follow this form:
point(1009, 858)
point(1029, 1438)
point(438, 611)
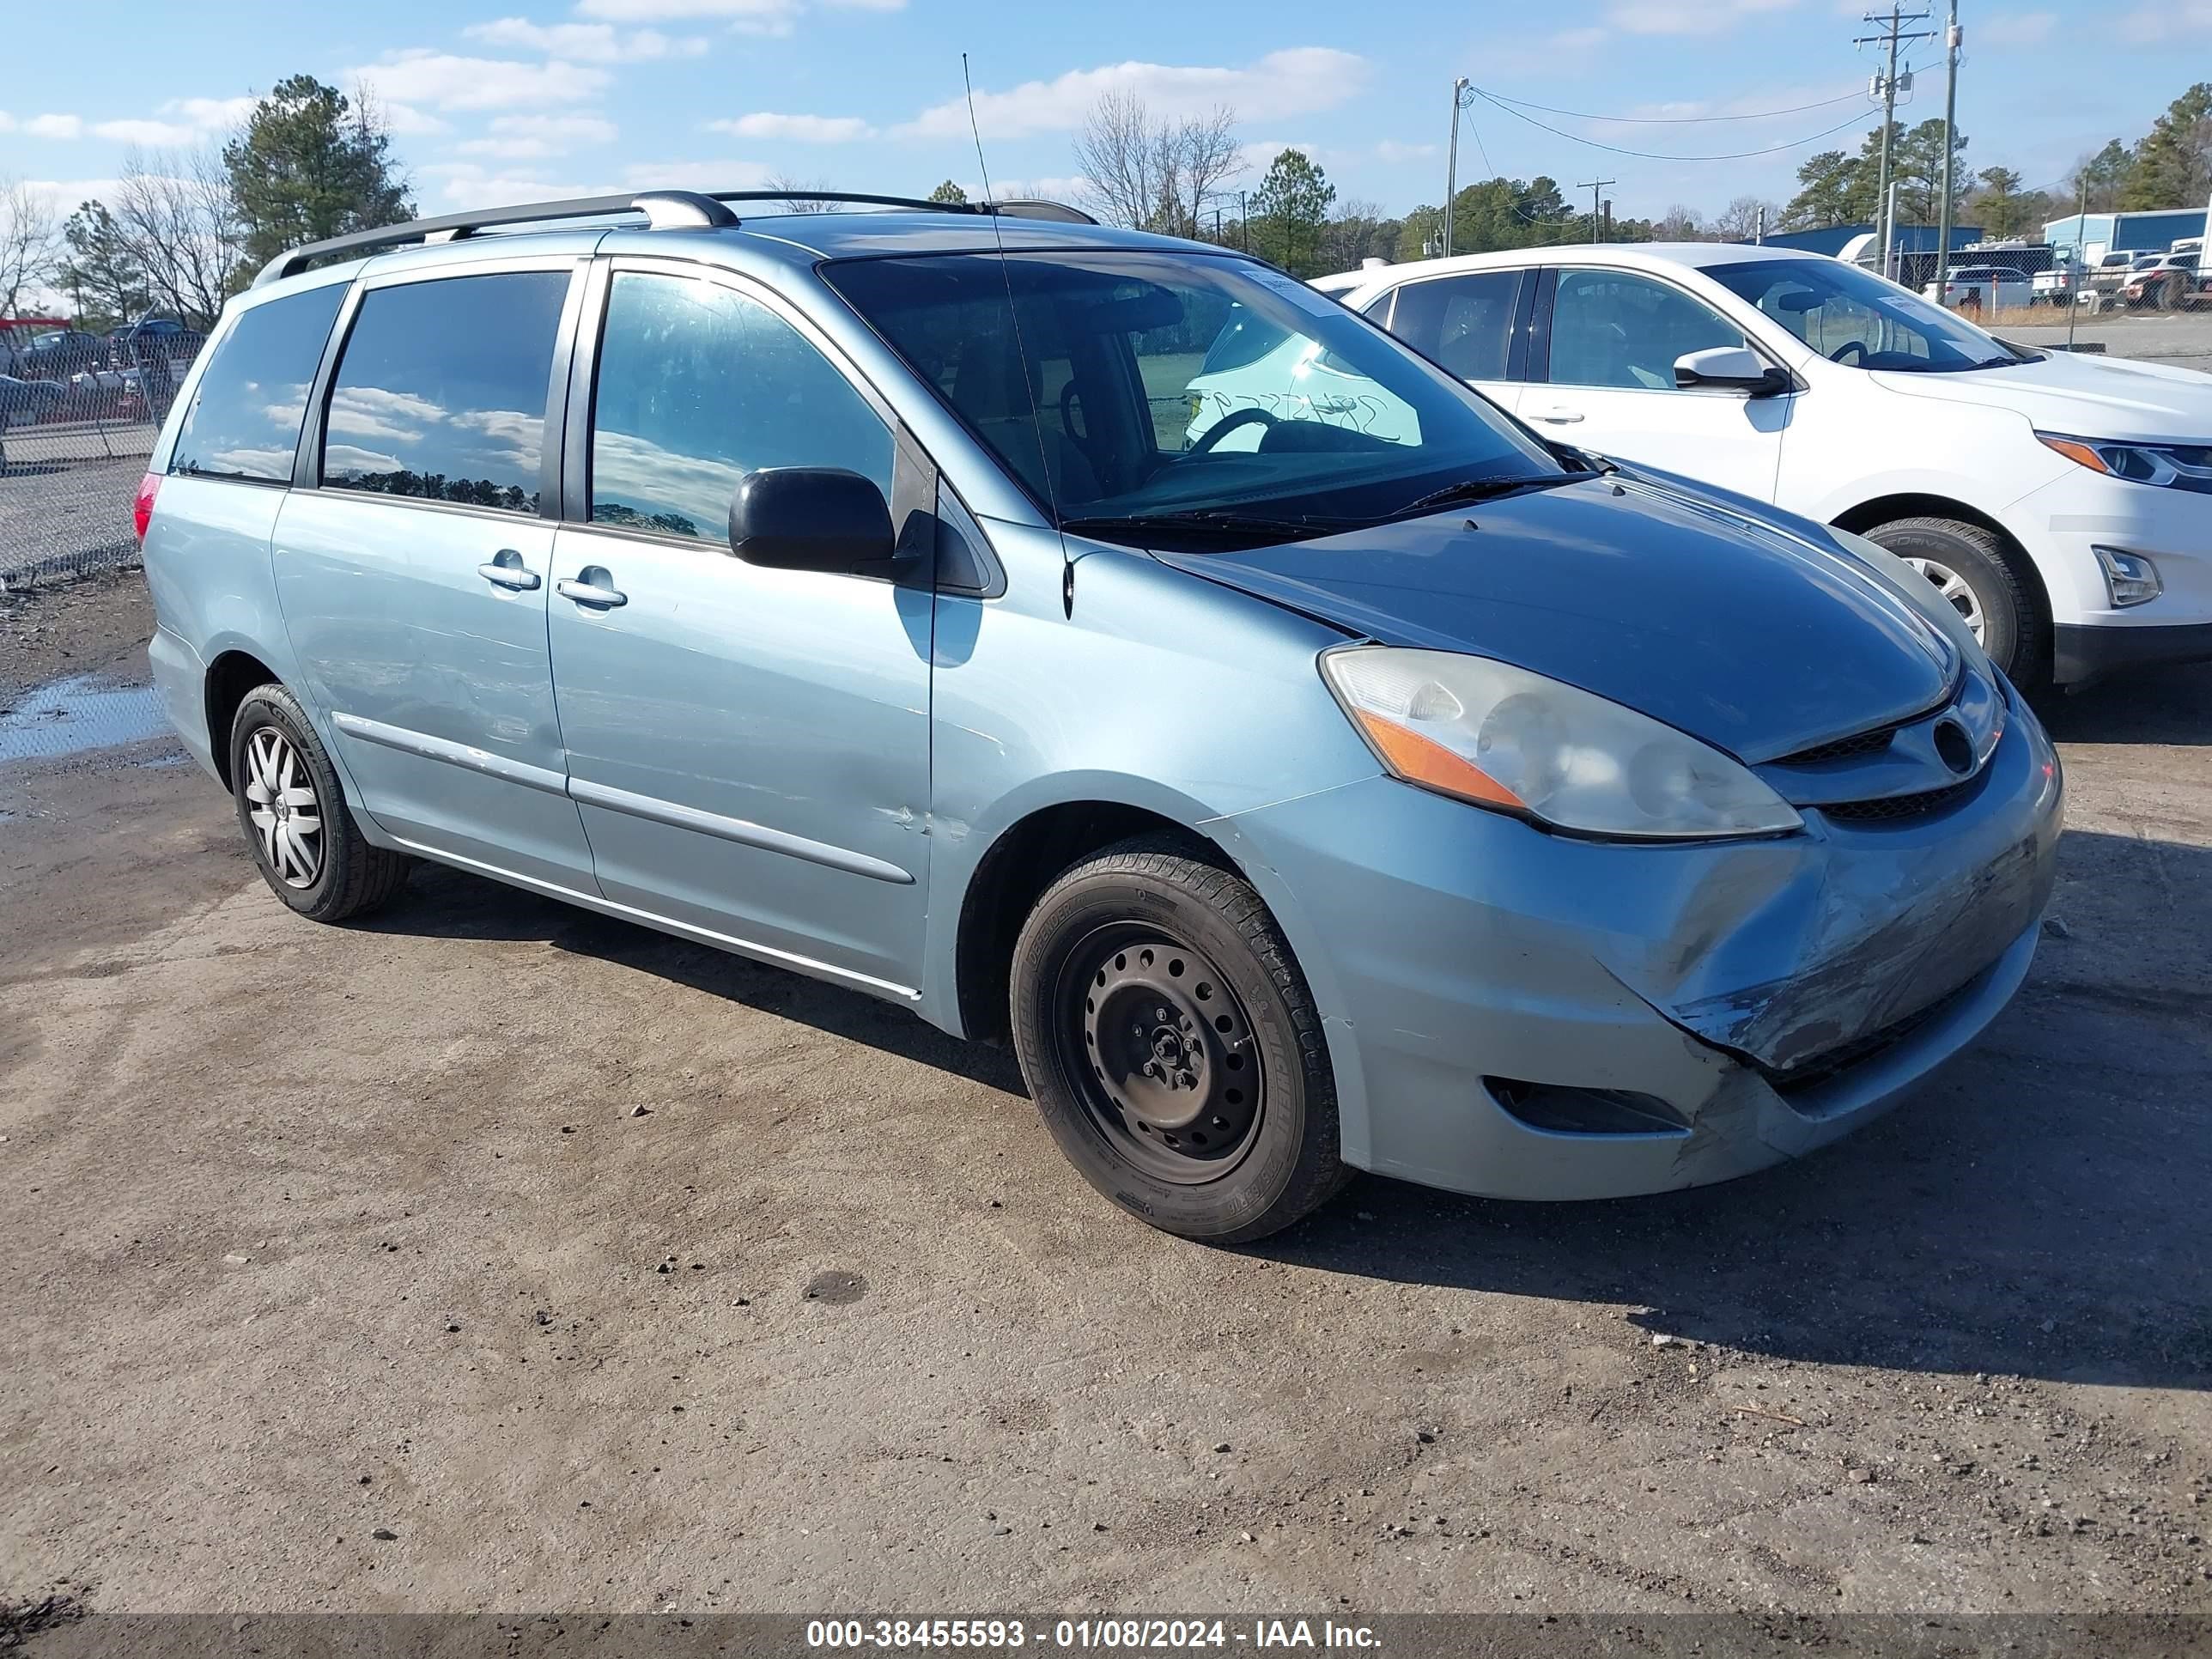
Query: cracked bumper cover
point(1454, 944)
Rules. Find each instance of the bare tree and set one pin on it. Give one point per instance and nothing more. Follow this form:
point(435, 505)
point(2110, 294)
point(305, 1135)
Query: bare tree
point(1359, 231)
point(1155, 174)
point(30, 243)
point(180, 226)
point(1739, 221)
point(795, 197)
point(1680, 224)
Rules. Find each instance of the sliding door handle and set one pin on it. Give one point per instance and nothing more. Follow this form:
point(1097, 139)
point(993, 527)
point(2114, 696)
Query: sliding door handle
point(592, 586)
point(505, 571)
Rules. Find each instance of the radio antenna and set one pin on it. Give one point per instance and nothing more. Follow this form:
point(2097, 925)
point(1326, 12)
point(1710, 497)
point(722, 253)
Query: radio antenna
point(1021, 351)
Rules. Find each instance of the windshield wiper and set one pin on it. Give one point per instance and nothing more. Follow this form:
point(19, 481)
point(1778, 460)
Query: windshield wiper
point(1208, 520)
point(1489, 490)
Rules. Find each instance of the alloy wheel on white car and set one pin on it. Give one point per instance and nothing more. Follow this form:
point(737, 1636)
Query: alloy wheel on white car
point(1957, 593)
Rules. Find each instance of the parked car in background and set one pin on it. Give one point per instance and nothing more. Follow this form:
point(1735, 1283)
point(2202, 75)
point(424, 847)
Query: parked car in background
point(2065, 283)
point(25, 403)
point(850, 592)
point(1982, 287)
point(2062, 504)
point(2168, 283)
point(59, 352)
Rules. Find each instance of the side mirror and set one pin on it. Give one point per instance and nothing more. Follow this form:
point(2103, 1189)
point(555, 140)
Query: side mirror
point(810, 518)
point(1729, 368)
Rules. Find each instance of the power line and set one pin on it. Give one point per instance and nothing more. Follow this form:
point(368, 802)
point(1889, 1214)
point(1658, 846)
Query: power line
point(1661, 155)
point(1851, 96)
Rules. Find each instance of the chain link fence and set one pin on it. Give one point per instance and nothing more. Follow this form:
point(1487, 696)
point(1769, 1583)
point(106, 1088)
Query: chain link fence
point(78, 416)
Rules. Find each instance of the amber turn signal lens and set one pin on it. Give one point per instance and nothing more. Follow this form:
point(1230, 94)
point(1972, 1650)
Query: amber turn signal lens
point(1418, 760)
point(2073, 450)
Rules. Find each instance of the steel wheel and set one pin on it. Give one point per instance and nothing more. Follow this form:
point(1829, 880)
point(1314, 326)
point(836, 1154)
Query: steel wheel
point(283, 809)
point(1954, 588)
point(1163, 1054)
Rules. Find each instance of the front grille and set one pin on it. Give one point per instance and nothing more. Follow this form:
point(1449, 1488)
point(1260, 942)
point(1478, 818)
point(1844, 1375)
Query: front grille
point(1890, 808)
point(1820, 1067)
point(1862, 742)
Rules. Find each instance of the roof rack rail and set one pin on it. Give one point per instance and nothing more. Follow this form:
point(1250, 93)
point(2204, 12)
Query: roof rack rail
point(663, 209)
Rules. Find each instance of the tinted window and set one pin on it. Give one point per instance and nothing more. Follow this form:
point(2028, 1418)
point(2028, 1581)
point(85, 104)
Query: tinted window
point(1244, 338)
point(441, 391)
point(1610, 328)
point(698, 385)
point(244, 418)
point(1462, 322)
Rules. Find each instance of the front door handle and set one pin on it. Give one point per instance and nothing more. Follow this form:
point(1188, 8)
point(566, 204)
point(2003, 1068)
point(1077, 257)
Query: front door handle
point(506, 570)
point(1560, 417)
point(592, 586)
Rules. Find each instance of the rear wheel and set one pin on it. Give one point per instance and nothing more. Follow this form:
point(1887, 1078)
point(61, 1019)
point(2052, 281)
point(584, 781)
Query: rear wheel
point(1983, 581)
point(1172, 1045)
point(305, 841)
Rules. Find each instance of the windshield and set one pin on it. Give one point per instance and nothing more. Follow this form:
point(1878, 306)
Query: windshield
point(1146, 386)
point(1860, 319)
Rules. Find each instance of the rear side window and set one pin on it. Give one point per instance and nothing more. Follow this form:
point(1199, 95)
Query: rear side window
point(698, 385)
point(1464, 323)
point(1243, 340)
point(1612, 328)
point(440, 393)
point(244, 418)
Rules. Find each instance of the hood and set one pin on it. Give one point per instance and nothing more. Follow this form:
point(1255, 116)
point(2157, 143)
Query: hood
point(2089, 396)
point(1720, 624)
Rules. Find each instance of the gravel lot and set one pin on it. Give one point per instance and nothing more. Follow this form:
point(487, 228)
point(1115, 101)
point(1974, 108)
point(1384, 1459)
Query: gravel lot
point(323, 1235)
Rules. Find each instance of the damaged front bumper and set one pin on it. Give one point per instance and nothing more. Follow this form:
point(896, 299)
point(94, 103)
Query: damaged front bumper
point(1524, 1015)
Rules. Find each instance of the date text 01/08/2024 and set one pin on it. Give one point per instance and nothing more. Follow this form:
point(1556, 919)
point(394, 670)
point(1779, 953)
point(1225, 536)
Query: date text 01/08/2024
point(1110, 1634)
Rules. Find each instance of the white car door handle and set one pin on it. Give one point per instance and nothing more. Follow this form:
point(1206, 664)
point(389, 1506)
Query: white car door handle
point(1556, 416)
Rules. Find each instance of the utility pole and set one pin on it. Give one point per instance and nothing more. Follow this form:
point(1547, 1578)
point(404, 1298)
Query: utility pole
point(1462, 98)
point(1594, 186)
point(1951, 40)
point(1893, 35)
point(1244, 223)
point(2081, 265)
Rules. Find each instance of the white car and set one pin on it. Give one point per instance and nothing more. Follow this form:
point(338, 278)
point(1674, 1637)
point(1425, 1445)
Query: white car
point(2063, 503)
point(1983, 288)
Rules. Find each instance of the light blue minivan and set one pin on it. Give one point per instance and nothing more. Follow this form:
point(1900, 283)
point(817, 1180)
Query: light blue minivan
point(866, 593)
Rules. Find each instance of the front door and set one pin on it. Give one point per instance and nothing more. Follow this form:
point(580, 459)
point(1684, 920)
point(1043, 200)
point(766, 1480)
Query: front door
point(414, 577)
point(1614, 338)
point(749, 747)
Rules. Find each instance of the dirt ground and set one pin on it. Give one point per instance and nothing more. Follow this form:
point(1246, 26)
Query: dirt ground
point(292, 1212)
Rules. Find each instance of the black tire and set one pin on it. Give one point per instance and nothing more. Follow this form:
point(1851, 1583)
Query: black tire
point(2014, 631)
point(328, 873)
point(1196, 937)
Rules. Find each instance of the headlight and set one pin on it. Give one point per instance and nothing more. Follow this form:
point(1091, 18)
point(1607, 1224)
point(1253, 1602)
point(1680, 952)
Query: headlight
point(2174, 466)
point(1503, 738)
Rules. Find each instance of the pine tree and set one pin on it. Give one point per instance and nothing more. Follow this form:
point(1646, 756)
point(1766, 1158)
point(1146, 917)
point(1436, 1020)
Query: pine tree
point(311, 163)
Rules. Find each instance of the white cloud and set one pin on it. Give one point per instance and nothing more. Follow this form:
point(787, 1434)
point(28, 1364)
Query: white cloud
point(144, 132)
point(1391, 151)
point(2148, 24)
point(210, 115)
point(1296, 81)
point(54, 126)
point(449, 82)
point(1687, 16)
point(528, 137)
point(586, 43)
point(804, 128)
point(2019, 28)
point(407, 121)
point(743, 16)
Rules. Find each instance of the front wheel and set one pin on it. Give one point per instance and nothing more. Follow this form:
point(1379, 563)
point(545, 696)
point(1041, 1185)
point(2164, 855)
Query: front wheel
point(1981, 579)
point(1172, 1045)
point(305, 841)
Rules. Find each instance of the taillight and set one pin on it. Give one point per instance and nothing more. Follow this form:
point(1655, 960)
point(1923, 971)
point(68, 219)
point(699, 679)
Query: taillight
point(142, 509)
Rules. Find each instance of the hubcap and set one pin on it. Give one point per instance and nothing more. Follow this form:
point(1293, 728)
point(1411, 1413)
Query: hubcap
point(1161, 1053)
point(1953, 586)
point(282, 805)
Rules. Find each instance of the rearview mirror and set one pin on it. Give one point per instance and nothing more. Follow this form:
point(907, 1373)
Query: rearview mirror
point(810, 518)
point(1730, 369)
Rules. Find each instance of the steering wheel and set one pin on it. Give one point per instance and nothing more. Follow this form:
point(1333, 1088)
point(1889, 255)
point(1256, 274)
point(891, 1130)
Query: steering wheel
point(1223, 427)
point(1859, 346)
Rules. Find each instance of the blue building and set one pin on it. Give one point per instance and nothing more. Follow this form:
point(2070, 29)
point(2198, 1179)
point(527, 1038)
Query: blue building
point(1832, 240)
point(2092, 235)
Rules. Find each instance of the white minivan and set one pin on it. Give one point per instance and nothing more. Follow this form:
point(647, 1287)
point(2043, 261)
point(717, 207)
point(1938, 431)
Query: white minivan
point(2063, 504)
